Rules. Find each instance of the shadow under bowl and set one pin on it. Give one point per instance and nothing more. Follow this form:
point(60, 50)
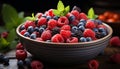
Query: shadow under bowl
point(65, 53)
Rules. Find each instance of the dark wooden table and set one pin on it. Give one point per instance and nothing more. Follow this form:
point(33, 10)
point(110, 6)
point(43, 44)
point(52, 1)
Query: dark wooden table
point(103, 60)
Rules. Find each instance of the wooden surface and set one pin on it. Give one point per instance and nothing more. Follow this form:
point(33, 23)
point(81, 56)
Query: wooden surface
point(103, 60)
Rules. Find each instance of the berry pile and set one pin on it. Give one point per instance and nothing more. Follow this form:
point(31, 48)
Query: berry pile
point(23, 60)
point(72, 28)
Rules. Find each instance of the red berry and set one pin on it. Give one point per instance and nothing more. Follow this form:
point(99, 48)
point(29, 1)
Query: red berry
point(42, 21)
point(101, 26)
point(39, 39)
point(65, 34)
point(63, 21)
point(90, 24)
point(75, 22)
point(66, 27)
point(72, 40)
point(46, 35)
point(75, 13)
point(115, 41)
point(29, 23)
point(115, 58)
point(83, 16)
point(52, 23)
point(21, 54)
point(57, 38)
point(23, 31)
point(89, 33)
point(93, 64)
point(68, 15)
point(36, 64)
point(38, 15)
point(19, 46)
point(50, 13)
point(4, 34)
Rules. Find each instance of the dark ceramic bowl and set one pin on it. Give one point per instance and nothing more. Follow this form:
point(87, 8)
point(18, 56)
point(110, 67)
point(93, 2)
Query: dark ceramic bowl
point(65, 53)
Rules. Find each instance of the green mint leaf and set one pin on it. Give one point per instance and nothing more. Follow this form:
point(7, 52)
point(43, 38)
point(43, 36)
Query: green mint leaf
point(60, 6)
point(56, 12)
point(11, 35)
point(2, 29)
point(91, 13)
point(9, 26)
point(13, 44)
point(9, 14)
point(21, 14)
point(3, 43)
point(29, 18)
point(67, 9)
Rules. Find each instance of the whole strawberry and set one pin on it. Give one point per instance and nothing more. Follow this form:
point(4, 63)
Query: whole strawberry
point(93, 64)
point(115, 41)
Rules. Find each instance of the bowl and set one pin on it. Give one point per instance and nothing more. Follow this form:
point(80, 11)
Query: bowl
point(65, 53)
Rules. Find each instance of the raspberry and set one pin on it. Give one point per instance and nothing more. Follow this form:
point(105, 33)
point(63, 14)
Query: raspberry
point(52, 23)
point(50, 13)
point(101, 26)
point(21, 54)
point(65, 34)
point(66, 27)
point(76, 14)
point(90, 24)
point(19, 46)
point(89, 33)
point(63, 21)
point(4, 34)
point(115, 41)
point(115, 58)
point(93, 64)
point(29, 23)
point(72, 40)
point(42, 21)
point(75, 22)
point(22, 32)
point(46, 35)
point(38, 15)
point(83, 16)
point(57, 38)
point(36, 64)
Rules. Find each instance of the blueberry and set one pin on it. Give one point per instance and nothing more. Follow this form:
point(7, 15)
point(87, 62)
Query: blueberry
point(27, 34)
point(28, 61)
point(76, 8)
point(95, 30)
point(55, 30)
point(82, 28)
point(36, 29)
point(30, 29)
point(6, 61)
point(22, 27)
point(1, 57)
point(103, 34)
point(74, 28)
point(102, 30)
point(81, 24)
point(71, 18)
point(44, 26)
point(48, 18)
point(33, 36)
point(41, 29)
point(88, 39)
point(20, 64)
point(83, 39)
point(55, 17)
point(83, 20)
point(98, 21)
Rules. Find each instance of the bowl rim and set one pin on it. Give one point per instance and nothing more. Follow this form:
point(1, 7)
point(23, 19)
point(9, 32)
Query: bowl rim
point(95, 41)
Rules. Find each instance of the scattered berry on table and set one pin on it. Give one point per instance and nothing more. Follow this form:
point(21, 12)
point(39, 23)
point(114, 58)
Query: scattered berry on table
point(35, 64)
point(115, 58)
point(93, 64)
point(115, 41)
point(21, 54)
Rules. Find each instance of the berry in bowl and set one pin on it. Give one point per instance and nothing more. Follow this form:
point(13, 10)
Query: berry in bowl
point(64, 37)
